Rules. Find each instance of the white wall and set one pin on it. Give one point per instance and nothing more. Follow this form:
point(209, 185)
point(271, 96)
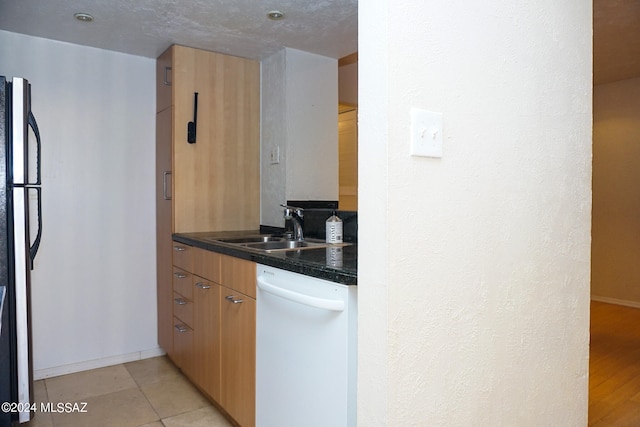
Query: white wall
point(312, 126)
point(94, 299)
point(473, 269)
point(300, 115)
point(273, 178)
point(615, 272)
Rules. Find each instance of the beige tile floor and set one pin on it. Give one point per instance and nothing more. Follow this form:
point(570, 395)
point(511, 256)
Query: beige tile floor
point(149, 393)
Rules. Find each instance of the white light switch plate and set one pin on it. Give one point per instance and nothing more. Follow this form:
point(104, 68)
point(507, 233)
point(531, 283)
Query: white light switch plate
point(426, 133)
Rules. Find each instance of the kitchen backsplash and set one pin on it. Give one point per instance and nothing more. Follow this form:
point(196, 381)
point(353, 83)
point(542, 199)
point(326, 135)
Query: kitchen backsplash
point(314, 223)
point(315, 216)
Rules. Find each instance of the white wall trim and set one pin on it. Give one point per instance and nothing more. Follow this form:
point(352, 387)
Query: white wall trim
point(634, 304)
point(96, 363)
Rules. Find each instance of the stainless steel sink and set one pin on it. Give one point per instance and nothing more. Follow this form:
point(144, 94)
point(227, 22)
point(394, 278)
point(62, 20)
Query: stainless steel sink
point(270, 243)
point(251, 239)
point(285, 245)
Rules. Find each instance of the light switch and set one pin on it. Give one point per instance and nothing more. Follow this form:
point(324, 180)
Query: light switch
point(274, 157)
point(426, 133)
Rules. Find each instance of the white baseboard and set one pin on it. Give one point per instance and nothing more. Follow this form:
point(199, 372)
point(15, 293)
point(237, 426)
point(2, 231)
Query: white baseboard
point(608, 300)
point(96, 363)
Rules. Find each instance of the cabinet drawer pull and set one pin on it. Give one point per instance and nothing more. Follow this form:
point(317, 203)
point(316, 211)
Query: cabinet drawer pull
point(179, 248)
point(167, 82)
point(180, 301)
point(203, 286)
point(180, 275)
point(181, 328)
point(233, 299)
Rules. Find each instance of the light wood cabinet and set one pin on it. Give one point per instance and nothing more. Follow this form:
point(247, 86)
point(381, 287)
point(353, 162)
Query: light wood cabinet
point(196, 316)
point(238, 339)
point(214, 183)
point(239, 274)
point(182, 354)
point(164, 242)
point(206, 323)
point(184, 256)
point(164, 74)
point(214, 322)
point(206, 342)
point(182, 308)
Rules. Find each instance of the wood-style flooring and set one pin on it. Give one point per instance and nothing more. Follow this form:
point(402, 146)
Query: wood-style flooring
point(614, 366)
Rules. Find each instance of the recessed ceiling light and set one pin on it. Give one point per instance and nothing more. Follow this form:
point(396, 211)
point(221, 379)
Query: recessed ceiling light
point(84, 17)
point(275, 15)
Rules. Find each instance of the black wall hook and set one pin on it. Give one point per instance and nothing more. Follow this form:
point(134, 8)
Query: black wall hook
point(192, 126)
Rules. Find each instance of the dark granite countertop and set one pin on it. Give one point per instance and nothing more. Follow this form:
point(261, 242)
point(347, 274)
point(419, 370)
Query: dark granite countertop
point(315, 262)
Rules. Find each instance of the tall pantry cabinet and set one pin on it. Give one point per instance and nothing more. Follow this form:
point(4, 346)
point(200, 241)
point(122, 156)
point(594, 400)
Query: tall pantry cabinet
point(212, 184)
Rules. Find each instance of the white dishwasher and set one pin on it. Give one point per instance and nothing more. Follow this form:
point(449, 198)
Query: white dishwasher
point(306, 351)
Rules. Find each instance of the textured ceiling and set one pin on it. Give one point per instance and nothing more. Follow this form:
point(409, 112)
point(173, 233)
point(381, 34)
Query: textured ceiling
point(148, 27)
point(616, 40)
point(240, 27)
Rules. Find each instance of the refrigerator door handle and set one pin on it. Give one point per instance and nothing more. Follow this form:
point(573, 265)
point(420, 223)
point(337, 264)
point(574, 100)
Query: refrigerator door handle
point(34, 125)
point(33, 249)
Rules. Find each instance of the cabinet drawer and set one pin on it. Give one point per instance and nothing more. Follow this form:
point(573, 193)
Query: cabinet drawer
point(182, 283)
point(182, 345)
point(183, 256)
point(206, 264)
point(183, 309)
point(239, 274)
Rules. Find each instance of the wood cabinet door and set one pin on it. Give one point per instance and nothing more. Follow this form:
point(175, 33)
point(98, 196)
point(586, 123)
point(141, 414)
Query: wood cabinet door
point(238, 356)
point(217, 178)
point(163, 231)
point(164, 77)
point(206, 343)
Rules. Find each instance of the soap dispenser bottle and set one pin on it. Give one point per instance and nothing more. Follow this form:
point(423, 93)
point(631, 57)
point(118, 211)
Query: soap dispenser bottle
point(334, 229)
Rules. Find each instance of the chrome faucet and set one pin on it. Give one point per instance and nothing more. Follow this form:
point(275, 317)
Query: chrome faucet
point(296, 216)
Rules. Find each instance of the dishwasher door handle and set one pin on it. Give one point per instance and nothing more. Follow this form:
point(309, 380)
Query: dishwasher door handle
point(323, 303)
